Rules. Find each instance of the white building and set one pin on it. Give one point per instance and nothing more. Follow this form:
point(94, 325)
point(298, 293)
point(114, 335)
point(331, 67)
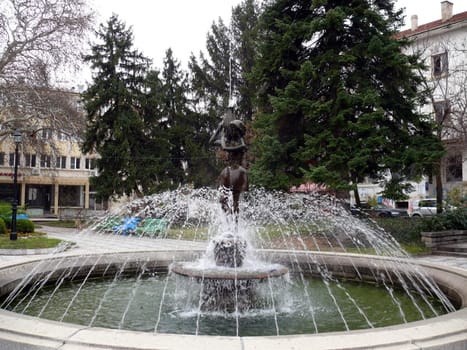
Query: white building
point(443, 47)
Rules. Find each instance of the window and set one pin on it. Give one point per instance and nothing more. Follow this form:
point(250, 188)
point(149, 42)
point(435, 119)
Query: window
point(2, 158)
point(442, 111)
point(90, 163)
point(46, 134)
point(32, 194)
point(30, 160)
point(454, 168)
point(74, 163)
point(439, 64)
point(12, 159)
point(61, 162)
point(427, 203)
point(62, 136)
point(45, 161)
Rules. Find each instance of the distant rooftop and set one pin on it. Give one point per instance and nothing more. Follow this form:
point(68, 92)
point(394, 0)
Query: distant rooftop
point(447, 18)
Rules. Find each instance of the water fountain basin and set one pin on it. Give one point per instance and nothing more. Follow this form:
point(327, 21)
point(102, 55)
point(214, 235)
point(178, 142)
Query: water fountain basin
point(216, 272)
point(444, 332)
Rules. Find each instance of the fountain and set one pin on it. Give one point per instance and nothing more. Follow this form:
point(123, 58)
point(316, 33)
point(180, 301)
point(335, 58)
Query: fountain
point(292, 266)
point(229, 287)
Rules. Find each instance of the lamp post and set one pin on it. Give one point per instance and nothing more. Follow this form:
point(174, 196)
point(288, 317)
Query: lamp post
point(17, 137)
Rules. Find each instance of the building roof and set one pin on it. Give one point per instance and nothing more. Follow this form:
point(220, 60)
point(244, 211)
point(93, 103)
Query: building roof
point(460, 17)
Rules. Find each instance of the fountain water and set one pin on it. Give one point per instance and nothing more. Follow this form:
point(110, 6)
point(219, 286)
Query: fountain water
point(259, 268)
point(294, 244)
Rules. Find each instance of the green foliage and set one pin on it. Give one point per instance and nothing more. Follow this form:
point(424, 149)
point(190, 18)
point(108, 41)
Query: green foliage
point(407, 230)
point(140, 121)
point(339, 108)
point(404, 230)
point(396, 189)
point(5, 209)
point(456, 198)
point(455, 219)
point(7, 221)
point(2, 227)
point(114, 122)
point(24, 226)
point(230, 50)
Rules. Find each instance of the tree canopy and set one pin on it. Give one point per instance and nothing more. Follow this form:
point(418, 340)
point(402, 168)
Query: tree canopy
point(141, 121)
point(338, 98)
point(331, 95)
point(115, 125)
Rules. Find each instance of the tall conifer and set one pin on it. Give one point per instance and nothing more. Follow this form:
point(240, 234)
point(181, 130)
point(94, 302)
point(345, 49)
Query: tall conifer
point(115, 127)
point(338, 97)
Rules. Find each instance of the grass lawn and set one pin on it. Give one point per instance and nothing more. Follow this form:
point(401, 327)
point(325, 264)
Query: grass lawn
point(61, 223)
point(34, 241)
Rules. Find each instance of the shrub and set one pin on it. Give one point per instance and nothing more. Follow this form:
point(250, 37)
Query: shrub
point(24, 226)
point(404, 230)
point(449, 220)
point(5, 209)
point(2, 227)
point(7, 221)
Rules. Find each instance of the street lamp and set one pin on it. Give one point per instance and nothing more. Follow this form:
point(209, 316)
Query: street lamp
point(17, 137)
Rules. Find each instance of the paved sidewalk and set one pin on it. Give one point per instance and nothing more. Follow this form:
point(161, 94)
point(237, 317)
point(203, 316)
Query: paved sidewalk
point(90, 242)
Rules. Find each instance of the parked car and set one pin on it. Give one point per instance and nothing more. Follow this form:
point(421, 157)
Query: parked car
point(423, 207)
point(383, 211)
point(380, 211)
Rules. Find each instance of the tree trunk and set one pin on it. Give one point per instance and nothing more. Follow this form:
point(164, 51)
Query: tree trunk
point(358, 203)
point(439, 190)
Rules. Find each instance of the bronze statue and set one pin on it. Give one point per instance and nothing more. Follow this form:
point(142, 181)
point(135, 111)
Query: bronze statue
point(233, 179)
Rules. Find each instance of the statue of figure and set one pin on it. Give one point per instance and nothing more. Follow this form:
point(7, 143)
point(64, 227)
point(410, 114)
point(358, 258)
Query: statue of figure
point(230, 136)
point(229, 133)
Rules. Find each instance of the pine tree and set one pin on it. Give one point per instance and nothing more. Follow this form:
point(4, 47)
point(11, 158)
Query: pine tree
point(245, 19)
point(156, 144)
point(115, 127)
point(187, 132)
point(210, 76)
point(338, 98)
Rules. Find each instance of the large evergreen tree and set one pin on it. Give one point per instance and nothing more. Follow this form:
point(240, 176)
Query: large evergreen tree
point(115, 127)
point(188, 131)
point(338, 97)
point(156, 157)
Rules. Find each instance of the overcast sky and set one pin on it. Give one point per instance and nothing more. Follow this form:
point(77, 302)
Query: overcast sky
point(183, 24)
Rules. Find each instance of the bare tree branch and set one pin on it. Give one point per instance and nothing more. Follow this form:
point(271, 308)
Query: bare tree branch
point(39, 40)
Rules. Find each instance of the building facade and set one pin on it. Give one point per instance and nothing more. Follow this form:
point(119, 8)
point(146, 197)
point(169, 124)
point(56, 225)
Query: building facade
point(54, 182)
point(53, 174)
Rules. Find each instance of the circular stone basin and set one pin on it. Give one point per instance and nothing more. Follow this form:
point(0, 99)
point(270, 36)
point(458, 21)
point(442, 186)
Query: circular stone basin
point(190, 269)
point(21, 331)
